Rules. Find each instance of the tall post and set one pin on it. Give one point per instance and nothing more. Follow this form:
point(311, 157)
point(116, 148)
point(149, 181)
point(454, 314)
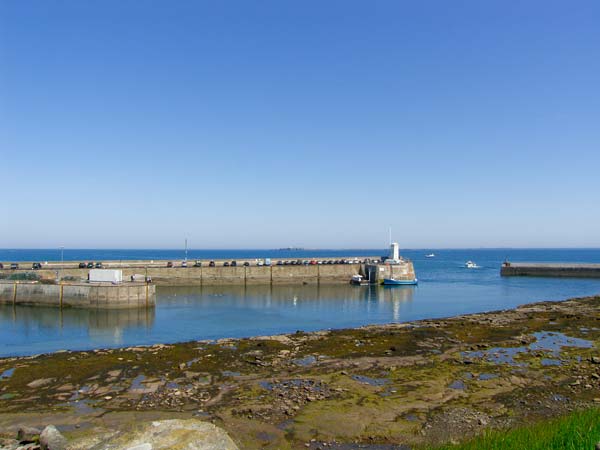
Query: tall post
point(62, 260)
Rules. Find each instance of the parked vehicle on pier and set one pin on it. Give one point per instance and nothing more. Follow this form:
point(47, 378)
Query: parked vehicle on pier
point(226, 264)
point(267, 261)
point(233, 263)
point(1, 266)
point(82, 265)
point(99, 265)
point(211, 264)
point(280, 263)
point(90, 265)
point(170, 264)
point(198, 264)
point(246, 264)
point(14, 266)
point(184, 264)
point(36, 266)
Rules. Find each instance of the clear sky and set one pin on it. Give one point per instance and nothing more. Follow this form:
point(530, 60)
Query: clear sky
point(270, 123)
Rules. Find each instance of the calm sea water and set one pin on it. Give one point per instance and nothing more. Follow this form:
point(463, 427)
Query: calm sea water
point(445, 288)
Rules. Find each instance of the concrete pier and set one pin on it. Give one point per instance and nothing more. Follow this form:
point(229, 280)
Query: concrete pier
point(572, 270)
point(78, 295)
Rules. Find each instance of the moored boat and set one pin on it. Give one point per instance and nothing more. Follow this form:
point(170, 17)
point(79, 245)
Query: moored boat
point(358, 280)
point(471, 265)
point(395, 282)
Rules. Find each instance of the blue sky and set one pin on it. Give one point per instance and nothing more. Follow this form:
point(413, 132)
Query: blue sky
point(285, 123)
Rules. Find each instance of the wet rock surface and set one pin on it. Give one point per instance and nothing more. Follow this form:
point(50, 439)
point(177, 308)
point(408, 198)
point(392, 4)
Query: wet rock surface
point(175, 434)
point(378, 387)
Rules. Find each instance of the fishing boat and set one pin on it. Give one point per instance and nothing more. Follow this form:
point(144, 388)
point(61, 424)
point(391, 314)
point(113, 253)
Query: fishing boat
point(471, 265)
point(359, 280)
point(431, 255)
point(395, 282)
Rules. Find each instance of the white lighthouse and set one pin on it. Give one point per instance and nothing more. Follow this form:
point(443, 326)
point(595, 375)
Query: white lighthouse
point(394, 257)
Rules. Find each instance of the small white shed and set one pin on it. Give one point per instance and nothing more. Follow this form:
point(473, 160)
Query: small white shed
point(106, 276)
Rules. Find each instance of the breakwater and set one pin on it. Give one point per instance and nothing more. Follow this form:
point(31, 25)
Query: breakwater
point(219, 274)
point(78, 295)
point(567, 270)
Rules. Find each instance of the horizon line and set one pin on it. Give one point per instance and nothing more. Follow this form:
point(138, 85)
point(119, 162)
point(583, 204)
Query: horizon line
point(297, 248)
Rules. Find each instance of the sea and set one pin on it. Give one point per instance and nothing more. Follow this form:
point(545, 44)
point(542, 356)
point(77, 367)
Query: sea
point(446, 288)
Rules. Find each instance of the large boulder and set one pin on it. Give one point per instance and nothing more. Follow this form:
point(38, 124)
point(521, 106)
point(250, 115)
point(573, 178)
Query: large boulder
point(190, 434)
point(51, 439)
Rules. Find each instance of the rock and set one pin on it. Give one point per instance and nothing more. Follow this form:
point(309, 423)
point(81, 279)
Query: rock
point(31, 446)
point(66, 387)
point(28, 434)
point(41, 382)
point(9, 444)
point(597, 447)
point(189, 434)
point(596, 359)
point(51, 439)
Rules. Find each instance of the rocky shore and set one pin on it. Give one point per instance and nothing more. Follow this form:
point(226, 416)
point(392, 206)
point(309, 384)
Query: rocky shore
point(392, 386)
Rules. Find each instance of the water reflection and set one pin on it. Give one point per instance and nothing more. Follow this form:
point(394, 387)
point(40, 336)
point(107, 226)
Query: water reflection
point(42, 324)
point(92, 319)
point(270, 296)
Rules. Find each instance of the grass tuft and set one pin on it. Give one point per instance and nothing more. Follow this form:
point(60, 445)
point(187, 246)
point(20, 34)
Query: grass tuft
point(576, 431)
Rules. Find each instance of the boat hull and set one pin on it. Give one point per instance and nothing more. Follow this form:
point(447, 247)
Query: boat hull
point(392, 282)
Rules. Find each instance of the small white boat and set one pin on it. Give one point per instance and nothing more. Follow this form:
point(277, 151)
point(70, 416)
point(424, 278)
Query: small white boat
point(471, 265)
point(431, 255)
point(358, 280)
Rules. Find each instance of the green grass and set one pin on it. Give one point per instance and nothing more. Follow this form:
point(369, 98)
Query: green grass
point(576, 431)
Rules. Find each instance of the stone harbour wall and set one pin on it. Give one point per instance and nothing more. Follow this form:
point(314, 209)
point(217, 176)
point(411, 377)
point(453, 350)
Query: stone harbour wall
point(238, 275)
point(78, 295)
